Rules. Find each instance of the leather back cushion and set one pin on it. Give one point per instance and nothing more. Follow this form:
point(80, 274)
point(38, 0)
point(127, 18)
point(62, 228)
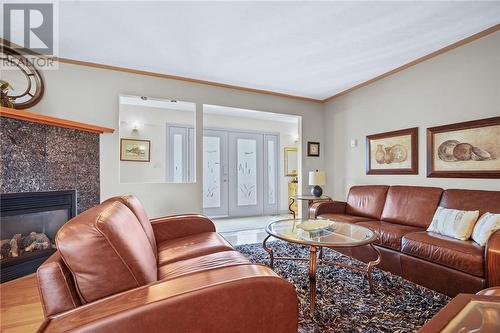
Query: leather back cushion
point(56, 287)
point(411, 205)
point(136, 207)
point(107, 251)
point(484, 201)
point(366, 200)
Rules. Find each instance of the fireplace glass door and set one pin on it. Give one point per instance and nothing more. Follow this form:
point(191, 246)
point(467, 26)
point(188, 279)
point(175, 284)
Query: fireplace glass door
point(29, 224)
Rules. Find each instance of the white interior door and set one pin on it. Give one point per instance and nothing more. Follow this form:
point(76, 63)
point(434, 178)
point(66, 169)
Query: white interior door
point(271, 181)
point(215, 173)
point(245, 174)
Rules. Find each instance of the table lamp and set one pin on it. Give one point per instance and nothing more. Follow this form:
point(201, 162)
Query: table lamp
point(317, 178)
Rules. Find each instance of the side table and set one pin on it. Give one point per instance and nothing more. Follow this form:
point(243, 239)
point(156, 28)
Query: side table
point(310, 200)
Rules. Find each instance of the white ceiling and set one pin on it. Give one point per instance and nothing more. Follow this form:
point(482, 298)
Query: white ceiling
point(310, 49)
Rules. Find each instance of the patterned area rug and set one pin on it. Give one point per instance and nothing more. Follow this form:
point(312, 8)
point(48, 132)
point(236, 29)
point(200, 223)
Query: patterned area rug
point(344, 303)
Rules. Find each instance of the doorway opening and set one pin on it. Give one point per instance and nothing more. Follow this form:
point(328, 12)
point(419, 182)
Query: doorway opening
point(245, 184)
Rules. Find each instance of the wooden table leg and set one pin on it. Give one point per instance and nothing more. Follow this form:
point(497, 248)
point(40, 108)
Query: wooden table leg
point(312, 279)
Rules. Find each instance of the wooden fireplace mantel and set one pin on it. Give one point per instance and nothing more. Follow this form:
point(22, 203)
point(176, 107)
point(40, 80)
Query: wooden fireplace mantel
point(43, 119)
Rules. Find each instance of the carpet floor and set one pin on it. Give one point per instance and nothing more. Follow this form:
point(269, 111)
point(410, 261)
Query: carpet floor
point(343, 302)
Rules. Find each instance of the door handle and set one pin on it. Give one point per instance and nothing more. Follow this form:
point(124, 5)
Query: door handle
point(224, 174)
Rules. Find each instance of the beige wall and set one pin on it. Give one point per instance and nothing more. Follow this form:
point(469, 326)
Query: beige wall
point(461, 85)
point(91, 95)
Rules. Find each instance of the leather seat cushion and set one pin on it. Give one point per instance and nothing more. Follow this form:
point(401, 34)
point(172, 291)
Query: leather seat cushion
point(465, 256)
point(202, 263)
point(136, 207)
point(191, 246)
point(389, 234)
point(107, 251)
point(366, 200)
point(411, 205)
point(344, 217)
point(484, 201)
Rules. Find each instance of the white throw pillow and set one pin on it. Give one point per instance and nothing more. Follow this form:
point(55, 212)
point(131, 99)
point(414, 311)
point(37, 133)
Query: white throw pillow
point(453, 222)
point(487, 224)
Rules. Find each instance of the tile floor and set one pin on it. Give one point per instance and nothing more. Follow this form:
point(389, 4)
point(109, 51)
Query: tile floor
point(245, 230)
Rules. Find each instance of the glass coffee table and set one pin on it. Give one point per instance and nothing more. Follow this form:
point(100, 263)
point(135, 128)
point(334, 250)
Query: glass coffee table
point(318, 234)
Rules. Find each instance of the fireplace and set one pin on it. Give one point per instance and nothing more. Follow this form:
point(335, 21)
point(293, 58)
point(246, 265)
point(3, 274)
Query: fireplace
point(28, 225)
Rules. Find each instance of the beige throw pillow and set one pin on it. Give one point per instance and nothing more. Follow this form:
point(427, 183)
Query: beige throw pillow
point(487, 224)
point(453, 222)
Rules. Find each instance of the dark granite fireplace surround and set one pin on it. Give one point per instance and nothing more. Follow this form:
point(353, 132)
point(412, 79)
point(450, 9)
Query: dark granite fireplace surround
point(38, 157)
point(47, 175)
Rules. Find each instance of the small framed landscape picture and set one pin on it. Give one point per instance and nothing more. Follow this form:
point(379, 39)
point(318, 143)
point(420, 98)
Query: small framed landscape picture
point(313, 149)
point(135, 150)
point(464, 150)
point(392, 153)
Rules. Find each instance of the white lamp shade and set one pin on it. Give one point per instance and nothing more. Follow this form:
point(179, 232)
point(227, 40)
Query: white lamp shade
point(317, 178)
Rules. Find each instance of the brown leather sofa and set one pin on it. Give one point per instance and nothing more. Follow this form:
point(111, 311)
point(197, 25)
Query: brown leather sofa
point(117, 271)
point(400, 215)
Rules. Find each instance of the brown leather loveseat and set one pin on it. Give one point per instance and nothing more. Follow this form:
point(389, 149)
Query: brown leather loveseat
point(400, 215)
point(117, 271)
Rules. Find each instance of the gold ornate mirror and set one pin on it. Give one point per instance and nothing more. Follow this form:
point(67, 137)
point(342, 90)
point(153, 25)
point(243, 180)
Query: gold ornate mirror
point(291, 161)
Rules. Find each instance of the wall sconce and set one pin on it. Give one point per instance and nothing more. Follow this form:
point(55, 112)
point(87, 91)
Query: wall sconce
point(135, 126)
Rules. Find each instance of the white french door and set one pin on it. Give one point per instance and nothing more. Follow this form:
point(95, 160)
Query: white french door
point(240, 173)
point(215, 177)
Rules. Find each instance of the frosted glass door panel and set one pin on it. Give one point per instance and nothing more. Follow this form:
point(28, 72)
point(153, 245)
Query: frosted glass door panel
point(211, 172)
point(271, 181)
point(215, 177)
point(180, 154)
point(177, 152)
point(271, 171)
point(247, 172)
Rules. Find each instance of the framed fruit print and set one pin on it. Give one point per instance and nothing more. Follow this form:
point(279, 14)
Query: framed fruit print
point(392, 153)
point(469, 149)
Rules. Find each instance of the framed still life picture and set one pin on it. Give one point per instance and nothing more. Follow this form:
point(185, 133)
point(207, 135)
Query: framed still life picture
point(464, 150)
point(392, 153)
point(135, 150)
point(313, 149)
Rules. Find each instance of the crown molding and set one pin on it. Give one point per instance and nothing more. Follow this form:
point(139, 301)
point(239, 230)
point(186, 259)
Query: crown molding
point(182, 78)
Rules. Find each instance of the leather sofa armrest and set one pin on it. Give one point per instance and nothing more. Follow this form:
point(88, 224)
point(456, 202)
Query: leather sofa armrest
point(170, 227)
point(247, 298)
point(493, 260)
point(324, 207)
